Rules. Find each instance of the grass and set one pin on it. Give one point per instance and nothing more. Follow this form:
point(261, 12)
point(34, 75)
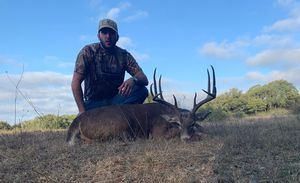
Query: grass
point(261, 150)
point(240, 150)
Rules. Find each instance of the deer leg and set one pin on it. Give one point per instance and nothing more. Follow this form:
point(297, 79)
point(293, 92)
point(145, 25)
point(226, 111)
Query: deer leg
point(86, 140)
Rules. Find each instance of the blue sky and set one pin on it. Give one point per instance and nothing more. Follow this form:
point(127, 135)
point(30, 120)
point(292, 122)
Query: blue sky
point(248, 42)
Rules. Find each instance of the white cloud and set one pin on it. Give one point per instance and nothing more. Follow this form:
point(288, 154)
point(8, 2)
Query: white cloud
point(65, 65)
point(83, 37)
point(122, 11)
point(274, 58)
point(275, 41)
point(137, 15)
point(140, 56)
point(293, 6)
point(125, 42)
point(113, 13)
point(291, 24)
point(10, 61)
point(49, 92)
point(285, 2)
point(290, 75)
point(95, 3)
point(57, 62)
point(255, 76)
point(124, 5)
point(223, 50)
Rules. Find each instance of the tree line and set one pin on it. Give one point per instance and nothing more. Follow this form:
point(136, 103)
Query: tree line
point(48, 121)
point(278, 95)
point(275, 96)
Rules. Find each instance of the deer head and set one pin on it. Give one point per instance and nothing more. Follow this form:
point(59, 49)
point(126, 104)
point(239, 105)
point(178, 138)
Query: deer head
point(186, 120)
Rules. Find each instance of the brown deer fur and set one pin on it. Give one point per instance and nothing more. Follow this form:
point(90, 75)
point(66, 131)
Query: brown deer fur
point(132, 120)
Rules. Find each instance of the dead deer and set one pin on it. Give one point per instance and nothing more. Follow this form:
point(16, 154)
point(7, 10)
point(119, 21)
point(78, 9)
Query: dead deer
point(160, 119)
point(187, 120)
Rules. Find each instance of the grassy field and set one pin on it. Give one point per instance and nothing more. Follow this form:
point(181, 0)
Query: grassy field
point(242, 150)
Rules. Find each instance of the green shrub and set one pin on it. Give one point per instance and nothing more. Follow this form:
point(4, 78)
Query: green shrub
point(49, 122)
point(217, 115)
point(4, 126)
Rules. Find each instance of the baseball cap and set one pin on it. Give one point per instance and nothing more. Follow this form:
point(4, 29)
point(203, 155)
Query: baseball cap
point(108, 23)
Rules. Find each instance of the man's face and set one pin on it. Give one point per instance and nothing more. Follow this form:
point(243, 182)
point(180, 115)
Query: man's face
point(108, 37)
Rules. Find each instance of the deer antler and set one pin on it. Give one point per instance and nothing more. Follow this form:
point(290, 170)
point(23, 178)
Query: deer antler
point(155, 95)
point(210, 95)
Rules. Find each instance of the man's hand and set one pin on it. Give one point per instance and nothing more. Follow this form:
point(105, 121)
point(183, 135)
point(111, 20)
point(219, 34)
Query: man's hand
point(126, 87)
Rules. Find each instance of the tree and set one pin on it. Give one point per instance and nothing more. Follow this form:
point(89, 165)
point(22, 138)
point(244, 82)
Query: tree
point(232, 101)
point(276, 94)
point(254, 105)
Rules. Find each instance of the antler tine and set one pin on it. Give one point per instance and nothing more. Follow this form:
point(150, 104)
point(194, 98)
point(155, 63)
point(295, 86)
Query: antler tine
point(159, 100)
point(158, 97)
point(154, 82)
point(214, 81)
point(159, 88)
point(175, 101)
point(208, 76)
point(151, 91)
point(208, 86)
point(210, 95)
point(195, 98)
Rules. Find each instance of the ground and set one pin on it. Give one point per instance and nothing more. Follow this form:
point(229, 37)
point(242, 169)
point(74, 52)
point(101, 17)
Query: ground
point(239, 150)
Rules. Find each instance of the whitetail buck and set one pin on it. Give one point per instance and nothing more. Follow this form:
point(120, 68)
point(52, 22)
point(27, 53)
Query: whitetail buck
point(160, 119)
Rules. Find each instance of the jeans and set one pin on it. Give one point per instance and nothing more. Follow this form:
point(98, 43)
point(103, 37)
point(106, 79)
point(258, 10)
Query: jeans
point(137, 96)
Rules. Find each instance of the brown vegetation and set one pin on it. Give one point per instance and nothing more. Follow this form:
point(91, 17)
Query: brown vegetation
point(257, 150)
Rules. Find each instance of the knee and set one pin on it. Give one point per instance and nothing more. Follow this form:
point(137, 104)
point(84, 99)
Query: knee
point(144, 91)
point(141, 92)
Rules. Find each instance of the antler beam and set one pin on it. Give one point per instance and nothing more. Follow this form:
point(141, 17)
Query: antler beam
point(210, 95)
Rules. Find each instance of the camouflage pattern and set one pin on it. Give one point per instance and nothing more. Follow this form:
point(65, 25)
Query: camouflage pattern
point(108, 23)
point(104, 70)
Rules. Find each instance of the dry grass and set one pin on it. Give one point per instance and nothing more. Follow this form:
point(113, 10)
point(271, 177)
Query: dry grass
point(260, 150)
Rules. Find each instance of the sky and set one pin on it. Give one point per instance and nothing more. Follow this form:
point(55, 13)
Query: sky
point(248, 42)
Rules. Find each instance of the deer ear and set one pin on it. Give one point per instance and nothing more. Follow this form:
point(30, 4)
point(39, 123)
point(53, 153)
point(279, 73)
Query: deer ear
point(172, 120)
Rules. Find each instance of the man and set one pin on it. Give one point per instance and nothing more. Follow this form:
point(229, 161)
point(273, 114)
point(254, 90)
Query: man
point(102, 67)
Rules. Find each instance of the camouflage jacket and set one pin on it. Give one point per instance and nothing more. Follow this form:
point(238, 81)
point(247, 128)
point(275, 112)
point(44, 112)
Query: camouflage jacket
point(104, 70)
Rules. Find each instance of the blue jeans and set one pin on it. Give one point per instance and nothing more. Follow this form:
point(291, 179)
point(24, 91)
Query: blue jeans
point(137, 96)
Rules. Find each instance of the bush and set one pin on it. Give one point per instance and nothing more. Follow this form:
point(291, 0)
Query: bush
point(4, 126)
point(217, 115)
point(49, 122)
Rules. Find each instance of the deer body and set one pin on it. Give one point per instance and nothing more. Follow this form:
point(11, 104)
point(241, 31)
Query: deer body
point(131, 120)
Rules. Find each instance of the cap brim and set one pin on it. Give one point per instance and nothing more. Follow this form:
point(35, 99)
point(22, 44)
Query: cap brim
point(107, 26)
